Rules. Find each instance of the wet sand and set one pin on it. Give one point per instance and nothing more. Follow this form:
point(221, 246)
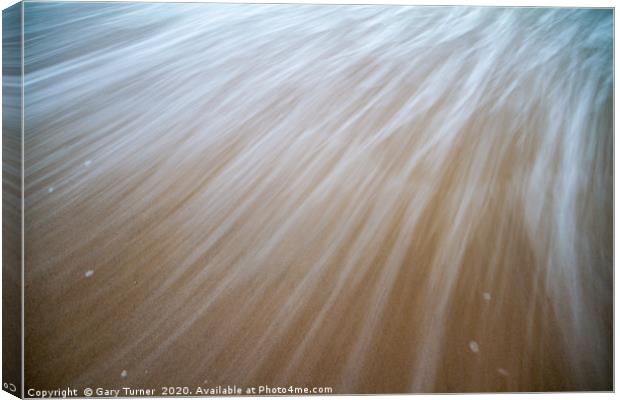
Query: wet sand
point(376, 199)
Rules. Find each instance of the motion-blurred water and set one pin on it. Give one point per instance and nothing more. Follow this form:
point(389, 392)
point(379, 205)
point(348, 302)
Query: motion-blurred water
point(373, 198)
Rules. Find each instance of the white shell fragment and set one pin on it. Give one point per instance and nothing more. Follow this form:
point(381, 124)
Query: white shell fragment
point(474, 347)
point(486, 296)
point(124, 374)
point(87, 163)
point(50, 189)
point(89, 273)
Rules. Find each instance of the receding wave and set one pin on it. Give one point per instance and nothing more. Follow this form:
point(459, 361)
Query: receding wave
point(379, 199)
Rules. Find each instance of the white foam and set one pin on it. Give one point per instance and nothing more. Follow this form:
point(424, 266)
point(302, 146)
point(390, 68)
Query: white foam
point(474, 347)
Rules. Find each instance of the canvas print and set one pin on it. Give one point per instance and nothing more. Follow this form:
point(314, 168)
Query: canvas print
point(204, 199)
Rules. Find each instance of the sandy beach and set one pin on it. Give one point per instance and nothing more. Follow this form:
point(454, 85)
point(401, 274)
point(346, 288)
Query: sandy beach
point(372, 199)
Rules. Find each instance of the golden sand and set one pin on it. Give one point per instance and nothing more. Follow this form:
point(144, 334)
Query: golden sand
point(376, 199)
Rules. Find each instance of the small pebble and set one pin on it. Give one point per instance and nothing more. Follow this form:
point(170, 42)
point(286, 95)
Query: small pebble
point(486, 296)
point(124, 374)
point(502, 371)
point(473, 346)
point(89, 273)
point(87, 163)
point(50, 189)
